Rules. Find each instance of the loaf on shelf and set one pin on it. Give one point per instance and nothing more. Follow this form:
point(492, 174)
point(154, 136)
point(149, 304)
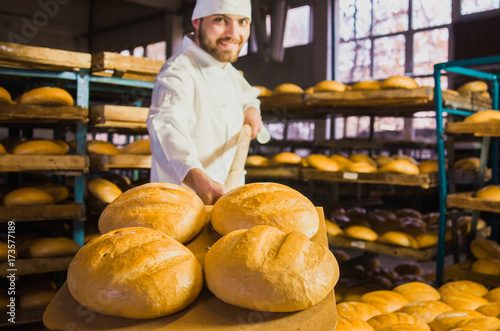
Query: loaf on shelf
point(46, 96)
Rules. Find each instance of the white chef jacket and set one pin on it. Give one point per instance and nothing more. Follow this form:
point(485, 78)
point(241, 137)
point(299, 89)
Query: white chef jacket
point(196, 114)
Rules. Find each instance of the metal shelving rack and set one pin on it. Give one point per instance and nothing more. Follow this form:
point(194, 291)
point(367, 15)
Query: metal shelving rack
point(83, 82)
point(462, 67)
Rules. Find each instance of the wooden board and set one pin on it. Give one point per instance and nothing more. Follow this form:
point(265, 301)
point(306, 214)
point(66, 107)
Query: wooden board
point(292, 172)
point(105, 113)
point(63, 211)
point(389, 178)
point(425, 254)
point(54, 163)
point(42, 114)
point(134, 126)
point(37, 266)
point(130, 67)
point(282, 102)
point(107, 162)
point(478, 129)
point(31, 57)
point(467, 200)
point(462, 271)
point(206, 313)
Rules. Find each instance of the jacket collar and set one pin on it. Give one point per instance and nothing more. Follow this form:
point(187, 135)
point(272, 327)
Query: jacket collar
point(204, 59)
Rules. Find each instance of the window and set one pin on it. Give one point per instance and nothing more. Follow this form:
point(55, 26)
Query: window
point(375, 37)
point(157, 51)
point(297, 26)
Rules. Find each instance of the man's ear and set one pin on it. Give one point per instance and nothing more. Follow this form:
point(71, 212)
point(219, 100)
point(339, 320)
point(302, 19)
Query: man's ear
point(196, 23)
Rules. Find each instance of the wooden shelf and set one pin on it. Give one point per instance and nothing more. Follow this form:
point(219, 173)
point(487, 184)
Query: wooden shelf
point(467, 200)
point(49, 163)
point(284, 172)
point(129, 67)
point(125, 161)
point(36, 266)
point(462, 271)
point(61, 211)
point(389, 178)
point(13, 113)
point(477, 129)
point(31, 57)
point(100, 115)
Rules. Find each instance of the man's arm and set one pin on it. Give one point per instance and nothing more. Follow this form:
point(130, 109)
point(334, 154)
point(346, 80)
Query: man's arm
point(252, 117)
point(207, 189)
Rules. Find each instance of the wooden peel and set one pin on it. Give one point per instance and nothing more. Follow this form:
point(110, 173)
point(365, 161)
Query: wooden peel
point(238, 164)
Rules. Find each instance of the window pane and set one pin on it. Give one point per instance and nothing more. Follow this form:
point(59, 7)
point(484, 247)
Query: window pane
point(125, 52)
point(389, 56)
point(429, 47)
point(357, 126)
point(297, 27)
point(346, 17)
point(390, 16)
point(477, 6)
point(139, 51)
point(429, 81)
point(363, 18)
point(354, 61)
point(426, 13)
point(157, 51)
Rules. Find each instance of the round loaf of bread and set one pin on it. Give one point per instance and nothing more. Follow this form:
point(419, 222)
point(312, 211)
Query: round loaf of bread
point(401, 166)
point(469, 163)
point(166, 207)
point(463, 301)
point(288, 88)
point(103, 189)
point(286, 158)
point(488, 265)
point(345, 323)
point(5, 96)
point(387, 319)
point(493, 295)
point(264, 91)
point(322, 162)
point(482, 248)
point(3, 151)
point(367, 85)
point(385, 301)
point(417, 291)
point(382, 160)
point(136, 273)
point(398, 238)
point(138, 147)
point(473, 86)
point(268, 270)
point(484, 323)
point(59, 192)
point(329, 86)
point(445, 321)
point(257, 161)
point(39, 147)
point(490, 309)
point(406, 327)
point(49, 247)
point(342, 161)
point(333, 229)
point(28, 196)
point(360, 232)
point(362, 158)
point(399, 82)
point(361, 310)
point(483, 116)
point(426, 310)
point(428, 166)
point(265, 204)
point(46, 96)
point(490, 193)
point(361, 167)
point(462, 286)
point(102, 147)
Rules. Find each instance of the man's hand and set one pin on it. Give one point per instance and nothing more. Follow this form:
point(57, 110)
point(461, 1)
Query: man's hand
point(207, 189)
point(252, 117)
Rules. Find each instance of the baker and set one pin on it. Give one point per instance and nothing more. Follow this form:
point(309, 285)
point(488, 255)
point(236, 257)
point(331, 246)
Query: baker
point(200, 101)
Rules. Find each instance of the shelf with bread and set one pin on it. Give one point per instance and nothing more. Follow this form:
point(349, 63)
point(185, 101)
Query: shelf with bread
point(476, 122)
point(129, 67)
point(202, 302)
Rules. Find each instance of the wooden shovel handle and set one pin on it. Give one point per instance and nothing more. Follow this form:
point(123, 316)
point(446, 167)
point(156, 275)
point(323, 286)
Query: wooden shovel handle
point(238, 164)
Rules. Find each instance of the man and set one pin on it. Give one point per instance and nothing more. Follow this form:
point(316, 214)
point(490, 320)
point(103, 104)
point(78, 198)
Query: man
point(200, 102)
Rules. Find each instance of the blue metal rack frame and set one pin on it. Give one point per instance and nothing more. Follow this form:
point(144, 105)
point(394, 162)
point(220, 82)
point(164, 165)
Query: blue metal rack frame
point(461, 67)
point(84, 83)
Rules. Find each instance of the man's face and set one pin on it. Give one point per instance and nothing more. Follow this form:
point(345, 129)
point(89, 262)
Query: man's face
point(222, 36)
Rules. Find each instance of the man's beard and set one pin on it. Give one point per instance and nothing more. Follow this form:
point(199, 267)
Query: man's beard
point(212, 49)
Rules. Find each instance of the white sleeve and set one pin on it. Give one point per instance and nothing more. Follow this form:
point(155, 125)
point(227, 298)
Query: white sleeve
point(171, 118)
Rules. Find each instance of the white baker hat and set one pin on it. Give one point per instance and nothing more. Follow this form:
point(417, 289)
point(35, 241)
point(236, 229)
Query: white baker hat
point(211, 7)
